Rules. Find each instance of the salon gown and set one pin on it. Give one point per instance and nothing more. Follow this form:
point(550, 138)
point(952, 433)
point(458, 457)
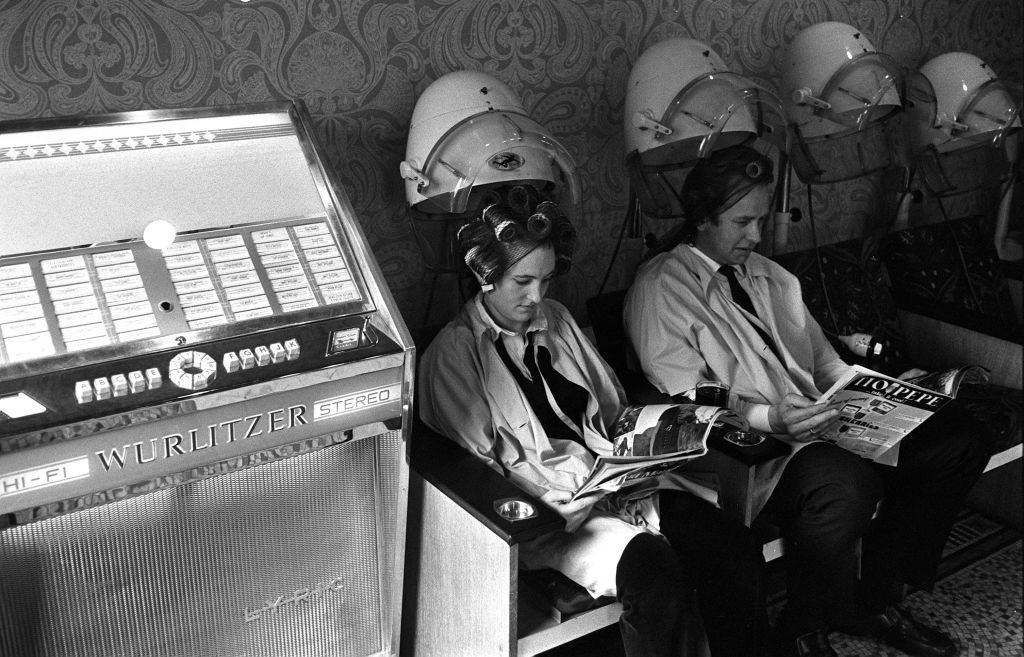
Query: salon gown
point(685, 327)
point(468, 394)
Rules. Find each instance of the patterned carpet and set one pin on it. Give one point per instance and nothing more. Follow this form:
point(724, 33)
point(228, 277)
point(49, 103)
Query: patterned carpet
point(977, 599)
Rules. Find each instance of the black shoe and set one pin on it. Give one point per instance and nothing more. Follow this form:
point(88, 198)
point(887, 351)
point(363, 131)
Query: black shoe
point(812, 644)
point(900, 630)
point(897, 593)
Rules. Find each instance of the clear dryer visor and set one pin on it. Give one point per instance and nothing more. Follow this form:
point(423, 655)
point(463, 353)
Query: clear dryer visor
point(710, 113)
point(973, 146)
point(864, 89)
point(985, 117)
point(716, 111)
point(987, 114)
point(492, 150)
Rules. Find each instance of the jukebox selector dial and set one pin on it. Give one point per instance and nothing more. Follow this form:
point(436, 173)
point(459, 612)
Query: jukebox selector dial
point(192, 370)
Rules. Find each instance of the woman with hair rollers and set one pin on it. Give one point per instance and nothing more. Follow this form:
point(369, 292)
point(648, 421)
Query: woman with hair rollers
point(513, 380)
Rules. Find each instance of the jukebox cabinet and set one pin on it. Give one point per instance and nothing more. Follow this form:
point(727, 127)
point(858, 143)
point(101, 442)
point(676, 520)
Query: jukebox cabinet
point(205, 391)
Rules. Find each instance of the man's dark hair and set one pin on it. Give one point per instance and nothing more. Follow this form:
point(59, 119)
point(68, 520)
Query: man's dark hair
point(717, 183)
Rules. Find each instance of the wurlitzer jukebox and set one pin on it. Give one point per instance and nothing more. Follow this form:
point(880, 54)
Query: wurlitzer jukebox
point(205, 390)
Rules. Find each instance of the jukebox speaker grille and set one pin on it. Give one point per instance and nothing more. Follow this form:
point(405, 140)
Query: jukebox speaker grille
point(291, 557)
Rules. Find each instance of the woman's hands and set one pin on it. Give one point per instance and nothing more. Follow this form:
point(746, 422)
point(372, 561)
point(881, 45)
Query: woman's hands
point(801, 418)
point(573, 512)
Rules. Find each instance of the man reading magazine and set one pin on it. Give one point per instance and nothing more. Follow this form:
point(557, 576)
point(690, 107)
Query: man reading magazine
point(711, 307)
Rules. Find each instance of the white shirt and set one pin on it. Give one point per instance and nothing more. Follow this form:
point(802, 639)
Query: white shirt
point(757, 414)
point(686, 327)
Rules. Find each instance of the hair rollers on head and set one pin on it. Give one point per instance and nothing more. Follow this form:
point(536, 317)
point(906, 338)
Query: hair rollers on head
point(502, 220)
point(506, 230)
point(475, 239)
point(522, 198)
point(755, 170)
point(562, 233)
point(538, 224)
point(502, 236)
point(717, 183)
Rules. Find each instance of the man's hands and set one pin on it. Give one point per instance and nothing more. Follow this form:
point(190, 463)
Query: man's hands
point(801, 418)
point(573, 512)
point(911, 373)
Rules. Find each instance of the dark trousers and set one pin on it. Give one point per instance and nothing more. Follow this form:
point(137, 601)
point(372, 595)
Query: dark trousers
point(709, 566)
point(824, 503)
point(938, 465)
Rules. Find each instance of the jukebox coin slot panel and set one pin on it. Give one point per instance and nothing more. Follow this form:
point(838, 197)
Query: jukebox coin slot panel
point(114, 386)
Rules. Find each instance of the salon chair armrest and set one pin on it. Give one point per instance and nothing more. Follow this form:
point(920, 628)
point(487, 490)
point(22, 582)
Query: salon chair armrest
point(463, 591)
point(475, 487)
point(771, 448)
point(739, 469)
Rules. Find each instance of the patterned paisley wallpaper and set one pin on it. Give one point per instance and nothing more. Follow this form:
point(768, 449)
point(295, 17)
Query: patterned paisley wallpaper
point(359, 65)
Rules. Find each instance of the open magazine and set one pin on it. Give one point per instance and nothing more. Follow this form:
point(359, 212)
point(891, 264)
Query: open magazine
point(649, 440)
point(948, 381)
point(877, 411)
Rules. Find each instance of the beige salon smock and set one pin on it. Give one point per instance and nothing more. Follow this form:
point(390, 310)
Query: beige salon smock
point(685, 327)
point(467, 393)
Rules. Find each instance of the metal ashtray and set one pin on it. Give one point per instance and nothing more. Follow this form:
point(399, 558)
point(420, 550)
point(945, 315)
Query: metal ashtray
point(514, 509)
point(744, 438)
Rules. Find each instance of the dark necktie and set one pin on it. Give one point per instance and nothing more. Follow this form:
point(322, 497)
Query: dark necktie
point(740, 296)
point(570, 397)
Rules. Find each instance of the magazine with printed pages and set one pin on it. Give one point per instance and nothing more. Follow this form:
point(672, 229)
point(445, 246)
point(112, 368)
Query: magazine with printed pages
point(948, 381)
point(649, 440)
point(877, 411)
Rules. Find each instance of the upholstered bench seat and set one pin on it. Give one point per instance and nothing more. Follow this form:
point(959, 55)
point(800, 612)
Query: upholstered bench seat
point(998, 410)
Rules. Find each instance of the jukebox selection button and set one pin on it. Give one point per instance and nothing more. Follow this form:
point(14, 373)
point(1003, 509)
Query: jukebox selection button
point(153, 378)
point(231, 362)
point(202, 380)
point(180, 378)
point(192, 370)
point(119, 383)
point(260, 356)
point(180, 362)
point(83, 392)
point(102, 388)
point(136, 381)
